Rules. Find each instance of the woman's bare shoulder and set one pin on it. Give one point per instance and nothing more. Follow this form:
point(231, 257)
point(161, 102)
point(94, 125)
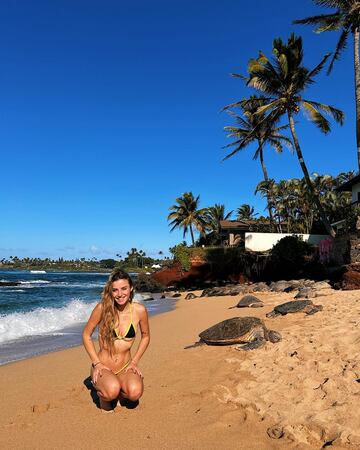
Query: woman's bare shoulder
point(97, 310)
point(139, 308)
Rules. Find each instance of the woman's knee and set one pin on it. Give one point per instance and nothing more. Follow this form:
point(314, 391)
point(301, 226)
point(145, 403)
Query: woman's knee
point(110, 390)
point(134, 391)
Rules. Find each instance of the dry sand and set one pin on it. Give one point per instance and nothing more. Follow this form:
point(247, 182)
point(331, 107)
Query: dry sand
point(203, 397)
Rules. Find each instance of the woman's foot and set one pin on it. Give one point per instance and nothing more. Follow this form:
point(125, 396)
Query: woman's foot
point(105, 406)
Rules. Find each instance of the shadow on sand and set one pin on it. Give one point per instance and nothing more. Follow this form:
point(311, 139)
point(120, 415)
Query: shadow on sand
point(124, 402)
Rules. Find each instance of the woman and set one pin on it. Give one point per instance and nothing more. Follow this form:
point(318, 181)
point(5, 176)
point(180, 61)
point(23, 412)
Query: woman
point(114, 372)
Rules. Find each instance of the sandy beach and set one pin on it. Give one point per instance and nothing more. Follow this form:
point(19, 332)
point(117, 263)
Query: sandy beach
point(303, 388)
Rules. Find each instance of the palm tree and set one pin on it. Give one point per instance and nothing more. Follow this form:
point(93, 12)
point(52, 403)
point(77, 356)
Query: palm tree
point(345, 19)
point(245, 212)
point(256, 128)
point(284, 79)
point(185, 214)
point(213, 216)
point(268, 189)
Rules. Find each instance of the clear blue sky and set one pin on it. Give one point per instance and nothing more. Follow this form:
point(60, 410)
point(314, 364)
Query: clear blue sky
point(110, 110)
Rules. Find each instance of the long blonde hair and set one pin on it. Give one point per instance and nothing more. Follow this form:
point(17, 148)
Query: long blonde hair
point(108, 312)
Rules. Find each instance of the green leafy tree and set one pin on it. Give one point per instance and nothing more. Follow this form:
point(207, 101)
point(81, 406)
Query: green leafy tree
point(245, 212)
point(186, 215)
point(213, 216)
point(284, 79)
point(256, 128)
point(346, 20)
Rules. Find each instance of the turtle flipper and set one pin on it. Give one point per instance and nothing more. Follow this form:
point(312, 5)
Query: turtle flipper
point(274, 336)
point(314, 310)
point(256, 343)
point(196, 344)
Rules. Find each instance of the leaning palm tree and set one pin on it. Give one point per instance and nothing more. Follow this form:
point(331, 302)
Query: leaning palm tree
point(345, 19)
point(245, 212)
point(187, 215)
point(253, 127)
point(283, 79)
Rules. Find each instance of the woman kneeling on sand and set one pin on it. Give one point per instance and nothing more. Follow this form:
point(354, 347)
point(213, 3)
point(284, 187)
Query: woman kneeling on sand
point(114, 373)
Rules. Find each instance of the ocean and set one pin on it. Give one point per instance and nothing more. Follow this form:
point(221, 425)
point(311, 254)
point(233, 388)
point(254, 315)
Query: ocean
point(47, 311)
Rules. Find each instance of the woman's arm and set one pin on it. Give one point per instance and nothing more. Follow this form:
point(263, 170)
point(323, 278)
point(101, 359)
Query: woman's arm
point(88, 331)
point(144, 342)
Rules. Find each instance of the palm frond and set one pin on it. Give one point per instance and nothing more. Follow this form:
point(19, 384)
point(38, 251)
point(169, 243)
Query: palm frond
point(341, 44)
point(321, 20)
point(316, 117)
point(332, 3)
point(333, 112)
point(319, 67)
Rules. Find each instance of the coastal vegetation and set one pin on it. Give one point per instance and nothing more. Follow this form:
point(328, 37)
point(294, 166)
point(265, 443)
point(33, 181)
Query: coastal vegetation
point(283, 79)
point(135, 261)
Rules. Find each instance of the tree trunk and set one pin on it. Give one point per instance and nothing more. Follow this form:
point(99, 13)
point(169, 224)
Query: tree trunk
point(192, 236)
point(314, 197)
point(357, 91)
point(266, 178)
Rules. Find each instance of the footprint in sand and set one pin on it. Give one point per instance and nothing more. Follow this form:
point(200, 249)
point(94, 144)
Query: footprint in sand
point(40, 408)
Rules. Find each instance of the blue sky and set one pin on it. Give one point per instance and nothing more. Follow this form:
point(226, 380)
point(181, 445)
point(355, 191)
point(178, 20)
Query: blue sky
point(110, 110)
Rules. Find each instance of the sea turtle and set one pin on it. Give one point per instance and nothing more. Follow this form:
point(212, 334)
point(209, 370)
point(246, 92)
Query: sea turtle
point(250, 332)
point(249, 301)
point(190, 296)
point(306, 306)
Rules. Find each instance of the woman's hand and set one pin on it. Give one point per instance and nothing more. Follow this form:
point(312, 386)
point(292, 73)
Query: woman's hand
point(97, 371)
point(134, 368)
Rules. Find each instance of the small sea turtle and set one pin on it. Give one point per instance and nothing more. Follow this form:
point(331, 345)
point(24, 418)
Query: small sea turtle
point(249, 301)
point(190, 296)
point(294, 306)
point(250, 332)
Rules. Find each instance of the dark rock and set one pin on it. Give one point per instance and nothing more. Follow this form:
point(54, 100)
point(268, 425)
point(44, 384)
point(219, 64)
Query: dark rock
point(260, 287)
point(176, 295)
point(305, 292)
point(10, 283)
point(279, 286)
point(227, 290)
point(146, 283)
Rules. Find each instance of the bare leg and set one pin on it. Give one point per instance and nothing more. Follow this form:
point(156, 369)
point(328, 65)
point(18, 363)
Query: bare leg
point(108, 388)
point(132, 386)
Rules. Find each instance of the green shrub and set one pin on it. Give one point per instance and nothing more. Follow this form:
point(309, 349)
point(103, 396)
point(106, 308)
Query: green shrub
point(288, 256)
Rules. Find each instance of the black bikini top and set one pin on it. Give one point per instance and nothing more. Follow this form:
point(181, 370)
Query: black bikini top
point(130, 332)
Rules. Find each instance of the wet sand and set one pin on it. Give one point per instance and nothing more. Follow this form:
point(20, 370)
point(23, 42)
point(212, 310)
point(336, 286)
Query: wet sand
point(303, 388)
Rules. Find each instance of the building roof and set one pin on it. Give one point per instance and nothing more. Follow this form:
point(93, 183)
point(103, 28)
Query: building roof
point(347, 187)
point(240, 224)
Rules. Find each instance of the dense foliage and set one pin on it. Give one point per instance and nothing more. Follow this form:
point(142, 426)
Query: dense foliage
point(288, 256)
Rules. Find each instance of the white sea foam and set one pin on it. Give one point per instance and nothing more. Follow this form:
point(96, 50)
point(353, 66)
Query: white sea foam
point(43, 320)
point(35, 282)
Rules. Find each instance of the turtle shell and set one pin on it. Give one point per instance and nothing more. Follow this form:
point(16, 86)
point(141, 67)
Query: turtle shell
point(292, 306)
point(249, 300)
point(230, 331)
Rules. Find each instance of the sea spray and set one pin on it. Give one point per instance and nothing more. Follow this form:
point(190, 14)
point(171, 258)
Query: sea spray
point(43, 320)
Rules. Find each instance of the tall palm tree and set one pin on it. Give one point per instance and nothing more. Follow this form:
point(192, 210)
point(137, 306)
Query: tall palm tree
point(283, 79)
point(245, 212)
point(346, 20)
point(187, 215)
point(253, 127)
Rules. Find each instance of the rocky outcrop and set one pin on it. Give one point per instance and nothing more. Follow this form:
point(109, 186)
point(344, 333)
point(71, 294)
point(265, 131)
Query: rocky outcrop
point(10, 283)
point(305, 288)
